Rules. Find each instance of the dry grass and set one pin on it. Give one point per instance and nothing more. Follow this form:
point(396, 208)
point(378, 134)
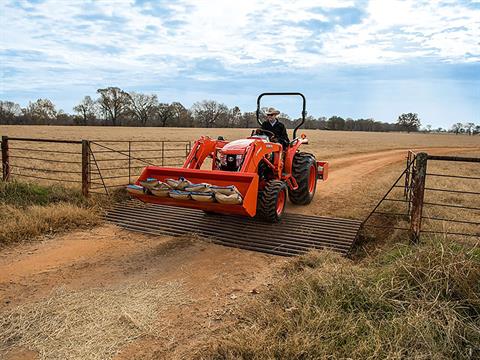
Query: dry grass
point(326, 144)
point(398, 302)
point(30, 210)
point(458, 199)
point(88, 324)
point(411, 302)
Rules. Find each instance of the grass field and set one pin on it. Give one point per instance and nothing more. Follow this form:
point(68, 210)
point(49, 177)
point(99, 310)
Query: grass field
point(162, 297)
point(325, 144)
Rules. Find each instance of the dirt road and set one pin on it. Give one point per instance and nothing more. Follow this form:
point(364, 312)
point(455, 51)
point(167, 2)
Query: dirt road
point(213, 279)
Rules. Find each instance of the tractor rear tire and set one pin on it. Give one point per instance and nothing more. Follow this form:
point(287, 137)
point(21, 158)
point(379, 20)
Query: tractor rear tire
point(272, 201)
point(304, 170)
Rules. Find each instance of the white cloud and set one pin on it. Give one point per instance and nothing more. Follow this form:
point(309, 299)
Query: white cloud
point(103, 40)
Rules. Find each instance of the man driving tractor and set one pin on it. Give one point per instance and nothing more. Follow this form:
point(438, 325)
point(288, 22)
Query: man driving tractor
point(276, 127)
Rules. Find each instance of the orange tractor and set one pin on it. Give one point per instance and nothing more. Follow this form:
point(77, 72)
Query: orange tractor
point(250, 176)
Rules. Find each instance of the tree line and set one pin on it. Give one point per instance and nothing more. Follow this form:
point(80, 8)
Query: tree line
point(116, 107)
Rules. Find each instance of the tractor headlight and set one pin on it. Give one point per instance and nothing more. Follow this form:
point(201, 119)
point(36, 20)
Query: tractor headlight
point(239, 160)
point(223, 159)
point(230, 159)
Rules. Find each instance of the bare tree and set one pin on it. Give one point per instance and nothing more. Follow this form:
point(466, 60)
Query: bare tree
point(62, 118)
point(469, 128)
point(249, 119)
point(114, 103)
point(234, 117)
point(86, 110)
point(457, 128)
point(182, 116)
point(41, 112)
point(209, 112)
point(8, 112)
point(165, 113)
point(143, 106)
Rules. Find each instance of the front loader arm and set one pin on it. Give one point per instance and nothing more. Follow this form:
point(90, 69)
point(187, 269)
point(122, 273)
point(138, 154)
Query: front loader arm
point(256, 153)
point(203, 148)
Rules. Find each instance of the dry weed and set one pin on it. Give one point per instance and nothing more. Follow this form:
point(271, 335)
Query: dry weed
point(30, 210)
point(413, 302)
point(88, 324)
point(20, 224)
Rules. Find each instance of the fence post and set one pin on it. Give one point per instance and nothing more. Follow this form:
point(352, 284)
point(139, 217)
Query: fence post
point(85, 167)
point(418, 192)
point(129, 162)
point(5, 159)
point(163, 153)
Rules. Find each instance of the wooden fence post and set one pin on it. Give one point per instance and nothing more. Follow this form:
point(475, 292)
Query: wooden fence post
point(85, 167)
point(5, 159)
point(418, 192)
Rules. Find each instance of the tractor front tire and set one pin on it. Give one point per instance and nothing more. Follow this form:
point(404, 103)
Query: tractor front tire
point(272, 200)
point(304, 170)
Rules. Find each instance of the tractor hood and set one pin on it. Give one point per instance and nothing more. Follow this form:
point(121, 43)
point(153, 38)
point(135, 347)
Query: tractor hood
point(237, 146)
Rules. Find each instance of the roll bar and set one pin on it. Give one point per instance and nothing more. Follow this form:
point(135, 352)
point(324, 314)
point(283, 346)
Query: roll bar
point(304, 112)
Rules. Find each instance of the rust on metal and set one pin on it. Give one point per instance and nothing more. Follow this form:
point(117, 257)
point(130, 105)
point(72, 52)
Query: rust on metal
point(85, 167)
point(418, 197)
point(5, 159)
point(295, 234)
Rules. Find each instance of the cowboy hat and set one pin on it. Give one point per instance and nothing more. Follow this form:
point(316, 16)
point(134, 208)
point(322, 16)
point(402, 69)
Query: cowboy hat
point(272, 111)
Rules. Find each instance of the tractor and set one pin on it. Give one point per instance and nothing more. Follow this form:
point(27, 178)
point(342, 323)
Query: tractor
point(262, 171)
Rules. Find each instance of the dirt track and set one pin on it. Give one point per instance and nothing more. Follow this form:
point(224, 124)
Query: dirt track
point(215, 278)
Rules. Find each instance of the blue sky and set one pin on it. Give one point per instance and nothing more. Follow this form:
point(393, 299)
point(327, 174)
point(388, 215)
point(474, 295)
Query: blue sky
point(350, 58)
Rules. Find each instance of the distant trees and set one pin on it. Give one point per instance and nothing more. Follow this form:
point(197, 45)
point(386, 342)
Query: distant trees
point(114, 103)
point(467, 128)
point(9, 111)
point(409, 122)
point(248, 119)
point(210, 113)
point(143, 106)
point(86, 111)
point(40, 112)
point(117, 107)
point(165, 114)
point(457, 128)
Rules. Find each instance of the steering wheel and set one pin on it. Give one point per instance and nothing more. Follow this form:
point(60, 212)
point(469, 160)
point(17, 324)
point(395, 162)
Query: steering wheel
point(270, 134)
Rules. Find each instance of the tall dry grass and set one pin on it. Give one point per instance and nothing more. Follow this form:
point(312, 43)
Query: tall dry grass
point(30, 210)
point(419, 302)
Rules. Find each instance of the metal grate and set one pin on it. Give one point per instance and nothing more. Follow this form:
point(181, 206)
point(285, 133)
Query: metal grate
point(295, 234)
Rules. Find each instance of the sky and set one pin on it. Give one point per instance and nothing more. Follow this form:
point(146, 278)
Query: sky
point(360, 59)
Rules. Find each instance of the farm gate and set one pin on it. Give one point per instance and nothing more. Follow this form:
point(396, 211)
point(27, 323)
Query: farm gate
point(424, 205)
point(97, 166)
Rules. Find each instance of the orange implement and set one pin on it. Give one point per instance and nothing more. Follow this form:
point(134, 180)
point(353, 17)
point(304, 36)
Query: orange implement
point(246, 183)
point(266, 169)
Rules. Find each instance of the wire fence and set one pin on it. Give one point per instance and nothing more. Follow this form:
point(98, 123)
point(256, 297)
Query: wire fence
point(452, 200)
point(419, 203)
point(96, 166)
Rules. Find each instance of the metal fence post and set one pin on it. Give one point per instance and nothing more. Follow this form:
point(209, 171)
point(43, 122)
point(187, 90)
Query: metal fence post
point(5, 159)
point(129, 162)
point(85, 167)
point(163, 153)
point(418, 193)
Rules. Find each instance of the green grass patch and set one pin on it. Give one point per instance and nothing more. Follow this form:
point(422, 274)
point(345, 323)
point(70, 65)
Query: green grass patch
point(27, 194)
